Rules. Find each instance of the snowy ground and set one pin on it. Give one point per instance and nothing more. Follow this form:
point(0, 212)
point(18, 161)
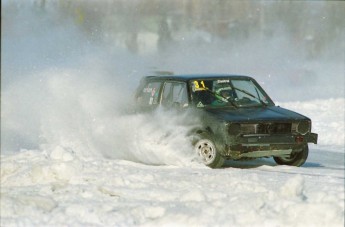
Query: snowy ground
point(60, 187)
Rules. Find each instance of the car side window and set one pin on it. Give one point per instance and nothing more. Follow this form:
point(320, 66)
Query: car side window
point(150, 94)
point(175, 94)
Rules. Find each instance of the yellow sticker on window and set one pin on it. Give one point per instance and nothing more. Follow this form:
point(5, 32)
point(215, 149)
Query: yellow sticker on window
point(199, 86)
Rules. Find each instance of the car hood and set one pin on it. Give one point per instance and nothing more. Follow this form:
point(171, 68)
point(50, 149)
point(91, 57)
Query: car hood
point(268, 113)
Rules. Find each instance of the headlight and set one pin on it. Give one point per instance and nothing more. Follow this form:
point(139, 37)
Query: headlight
point(304, 127)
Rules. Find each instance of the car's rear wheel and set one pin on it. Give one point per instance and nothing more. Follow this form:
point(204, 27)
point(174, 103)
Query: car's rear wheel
point(207, 151)
point(295, 159)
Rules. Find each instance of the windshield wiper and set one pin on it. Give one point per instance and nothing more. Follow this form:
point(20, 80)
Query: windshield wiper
point(251, 95)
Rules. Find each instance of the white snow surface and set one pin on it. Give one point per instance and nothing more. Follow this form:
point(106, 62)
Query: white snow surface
point(58, 186)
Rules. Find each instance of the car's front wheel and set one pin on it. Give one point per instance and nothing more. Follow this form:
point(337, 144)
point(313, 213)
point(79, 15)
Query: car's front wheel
point(207, 151)
point(295, 159)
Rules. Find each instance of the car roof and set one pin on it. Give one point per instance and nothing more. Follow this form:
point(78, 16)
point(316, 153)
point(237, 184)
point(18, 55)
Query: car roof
point(187, 77)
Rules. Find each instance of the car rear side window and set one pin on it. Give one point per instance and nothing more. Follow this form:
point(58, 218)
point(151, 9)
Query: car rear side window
point(150, 94)
point(175, 94)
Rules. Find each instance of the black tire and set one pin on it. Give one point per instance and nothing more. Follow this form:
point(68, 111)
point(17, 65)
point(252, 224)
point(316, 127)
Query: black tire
point(205, 147)
point(296, 159)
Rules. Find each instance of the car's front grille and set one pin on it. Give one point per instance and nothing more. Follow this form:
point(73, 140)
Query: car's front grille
point(266, 128)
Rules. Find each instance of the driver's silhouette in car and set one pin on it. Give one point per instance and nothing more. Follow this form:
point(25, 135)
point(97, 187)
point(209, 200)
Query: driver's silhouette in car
point(222, 97)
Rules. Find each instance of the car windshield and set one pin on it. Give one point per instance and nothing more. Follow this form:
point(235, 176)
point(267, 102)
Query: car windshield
point(228, 92)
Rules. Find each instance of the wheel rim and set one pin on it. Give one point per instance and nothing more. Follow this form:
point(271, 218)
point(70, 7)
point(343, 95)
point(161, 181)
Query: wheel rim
point(206, 150)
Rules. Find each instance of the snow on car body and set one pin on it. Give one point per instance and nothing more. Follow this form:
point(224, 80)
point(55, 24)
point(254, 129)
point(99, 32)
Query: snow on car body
point(238, 119)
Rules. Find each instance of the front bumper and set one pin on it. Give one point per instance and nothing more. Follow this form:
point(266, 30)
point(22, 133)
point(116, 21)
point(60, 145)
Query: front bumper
point(260, 140)
point(255, 146)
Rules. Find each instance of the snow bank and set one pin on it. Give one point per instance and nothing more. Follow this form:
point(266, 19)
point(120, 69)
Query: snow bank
point(60, 188)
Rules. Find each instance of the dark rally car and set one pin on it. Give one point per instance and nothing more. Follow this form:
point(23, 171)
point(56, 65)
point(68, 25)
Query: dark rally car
point(239, 120)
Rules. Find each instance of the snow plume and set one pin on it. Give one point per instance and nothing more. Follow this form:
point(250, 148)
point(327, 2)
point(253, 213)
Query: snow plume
point(65, 93)
point(92, 117)
point(160, 137)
